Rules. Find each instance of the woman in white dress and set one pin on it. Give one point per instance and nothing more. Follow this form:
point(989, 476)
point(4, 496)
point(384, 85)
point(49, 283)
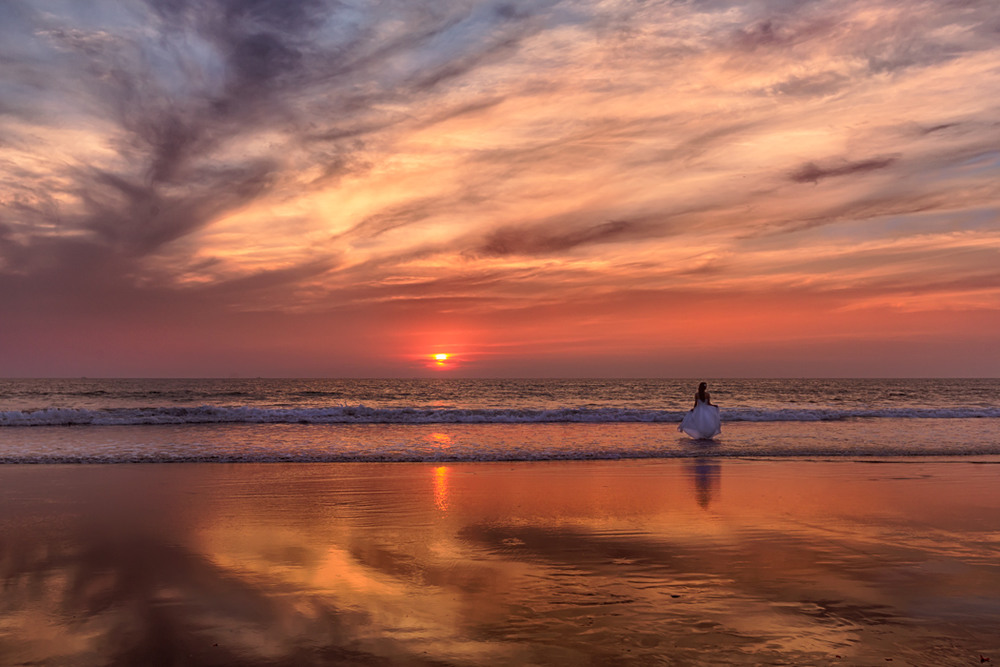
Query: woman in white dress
point(702, 421)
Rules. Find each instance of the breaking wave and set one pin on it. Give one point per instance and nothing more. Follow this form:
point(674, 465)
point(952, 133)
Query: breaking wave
point(361, 414)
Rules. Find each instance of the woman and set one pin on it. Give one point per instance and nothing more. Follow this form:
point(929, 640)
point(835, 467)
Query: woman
point(702, 421)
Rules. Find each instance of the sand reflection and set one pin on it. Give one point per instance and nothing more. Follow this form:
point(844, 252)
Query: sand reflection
point(441, 500)
point(507, 564)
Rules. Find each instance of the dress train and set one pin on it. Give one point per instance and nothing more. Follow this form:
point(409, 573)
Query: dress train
point(703, 422)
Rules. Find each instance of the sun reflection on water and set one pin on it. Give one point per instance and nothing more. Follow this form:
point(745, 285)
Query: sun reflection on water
point(441, 440)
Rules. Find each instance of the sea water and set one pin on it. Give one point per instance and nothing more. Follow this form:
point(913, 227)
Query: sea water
point(231, 420)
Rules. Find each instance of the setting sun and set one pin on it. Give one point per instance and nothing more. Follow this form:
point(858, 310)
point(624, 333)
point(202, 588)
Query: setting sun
point(442, 361)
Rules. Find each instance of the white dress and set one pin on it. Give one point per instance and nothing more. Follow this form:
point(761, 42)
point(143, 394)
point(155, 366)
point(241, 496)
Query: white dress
point(702, 422)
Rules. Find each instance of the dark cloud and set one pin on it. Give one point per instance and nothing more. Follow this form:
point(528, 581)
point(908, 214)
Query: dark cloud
point(892, 56)
point(815, 85)
point(914, 39)
point(536, 241)
point(812, 172)
point(763, 34)
point(221, 73)
point(939, 128)
point(139, 218)
point(260, 57)
point(788, 31)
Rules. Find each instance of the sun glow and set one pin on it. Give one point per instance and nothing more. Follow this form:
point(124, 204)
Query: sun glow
point(441, 361)
point(431, 359)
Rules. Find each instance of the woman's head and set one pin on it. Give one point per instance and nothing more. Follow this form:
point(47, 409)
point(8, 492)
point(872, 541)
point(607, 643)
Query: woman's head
point(702, 386)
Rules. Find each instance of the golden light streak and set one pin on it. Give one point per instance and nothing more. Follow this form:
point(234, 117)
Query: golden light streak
point(442, 492)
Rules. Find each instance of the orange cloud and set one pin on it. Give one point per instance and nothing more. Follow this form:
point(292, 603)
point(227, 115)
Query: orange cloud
point(587, 187)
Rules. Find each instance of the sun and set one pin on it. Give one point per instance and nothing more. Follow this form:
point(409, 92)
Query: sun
point(442, 361)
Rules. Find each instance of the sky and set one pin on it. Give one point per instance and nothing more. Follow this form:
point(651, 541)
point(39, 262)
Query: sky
point(696, 188)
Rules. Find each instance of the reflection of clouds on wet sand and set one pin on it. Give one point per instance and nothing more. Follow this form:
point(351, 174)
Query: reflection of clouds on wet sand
point(493, 564)
point(654, 596)
point(250, 591)
point(143, 601)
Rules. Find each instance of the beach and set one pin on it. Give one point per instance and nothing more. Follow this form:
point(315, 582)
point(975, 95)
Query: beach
point(696, 561)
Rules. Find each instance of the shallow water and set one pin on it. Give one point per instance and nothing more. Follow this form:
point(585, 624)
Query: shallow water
point(969, 438)
point(115, 421)
point(692, 562)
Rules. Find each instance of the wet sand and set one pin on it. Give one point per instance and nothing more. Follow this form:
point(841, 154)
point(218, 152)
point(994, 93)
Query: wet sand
point(681, 562)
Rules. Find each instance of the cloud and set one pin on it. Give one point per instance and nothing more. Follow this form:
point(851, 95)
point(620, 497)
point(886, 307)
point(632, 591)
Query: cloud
point(181, 109)
point(811, 172)
point(813, 85)
point(220, 155)
point(514, 241)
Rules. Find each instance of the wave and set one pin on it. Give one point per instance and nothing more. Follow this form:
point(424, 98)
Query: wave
point(418, 415)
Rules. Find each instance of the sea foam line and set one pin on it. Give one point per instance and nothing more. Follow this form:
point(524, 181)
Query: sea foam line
point(475, 455)
point(361, 414)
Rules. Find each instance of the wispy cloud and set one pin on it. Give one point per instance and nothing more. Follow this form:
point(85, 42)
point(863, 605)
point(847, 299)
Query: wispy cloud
point(332, 157)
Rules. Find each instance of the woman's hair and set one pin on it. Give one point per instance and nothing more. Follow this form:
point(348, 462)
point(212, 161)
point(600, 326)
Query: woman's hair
point(701, 390)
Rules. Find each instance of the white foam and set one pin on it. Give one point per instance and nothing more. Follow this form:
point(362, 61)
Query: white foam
point(361, 414)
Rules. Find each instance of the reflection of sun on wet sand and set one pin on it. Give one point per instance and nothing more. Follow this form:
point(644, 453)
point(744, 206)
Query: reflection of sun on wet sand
point(441, 488)
point(500, 563)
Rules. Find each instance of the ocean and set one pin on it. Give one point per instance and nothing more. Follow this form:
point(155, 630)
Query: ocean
point(319, 420)
point(498, 522)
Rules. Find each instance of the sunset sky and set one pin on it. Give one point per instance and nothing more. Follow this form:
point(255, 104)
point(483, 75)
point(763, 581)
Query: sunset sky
point(535, 188)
